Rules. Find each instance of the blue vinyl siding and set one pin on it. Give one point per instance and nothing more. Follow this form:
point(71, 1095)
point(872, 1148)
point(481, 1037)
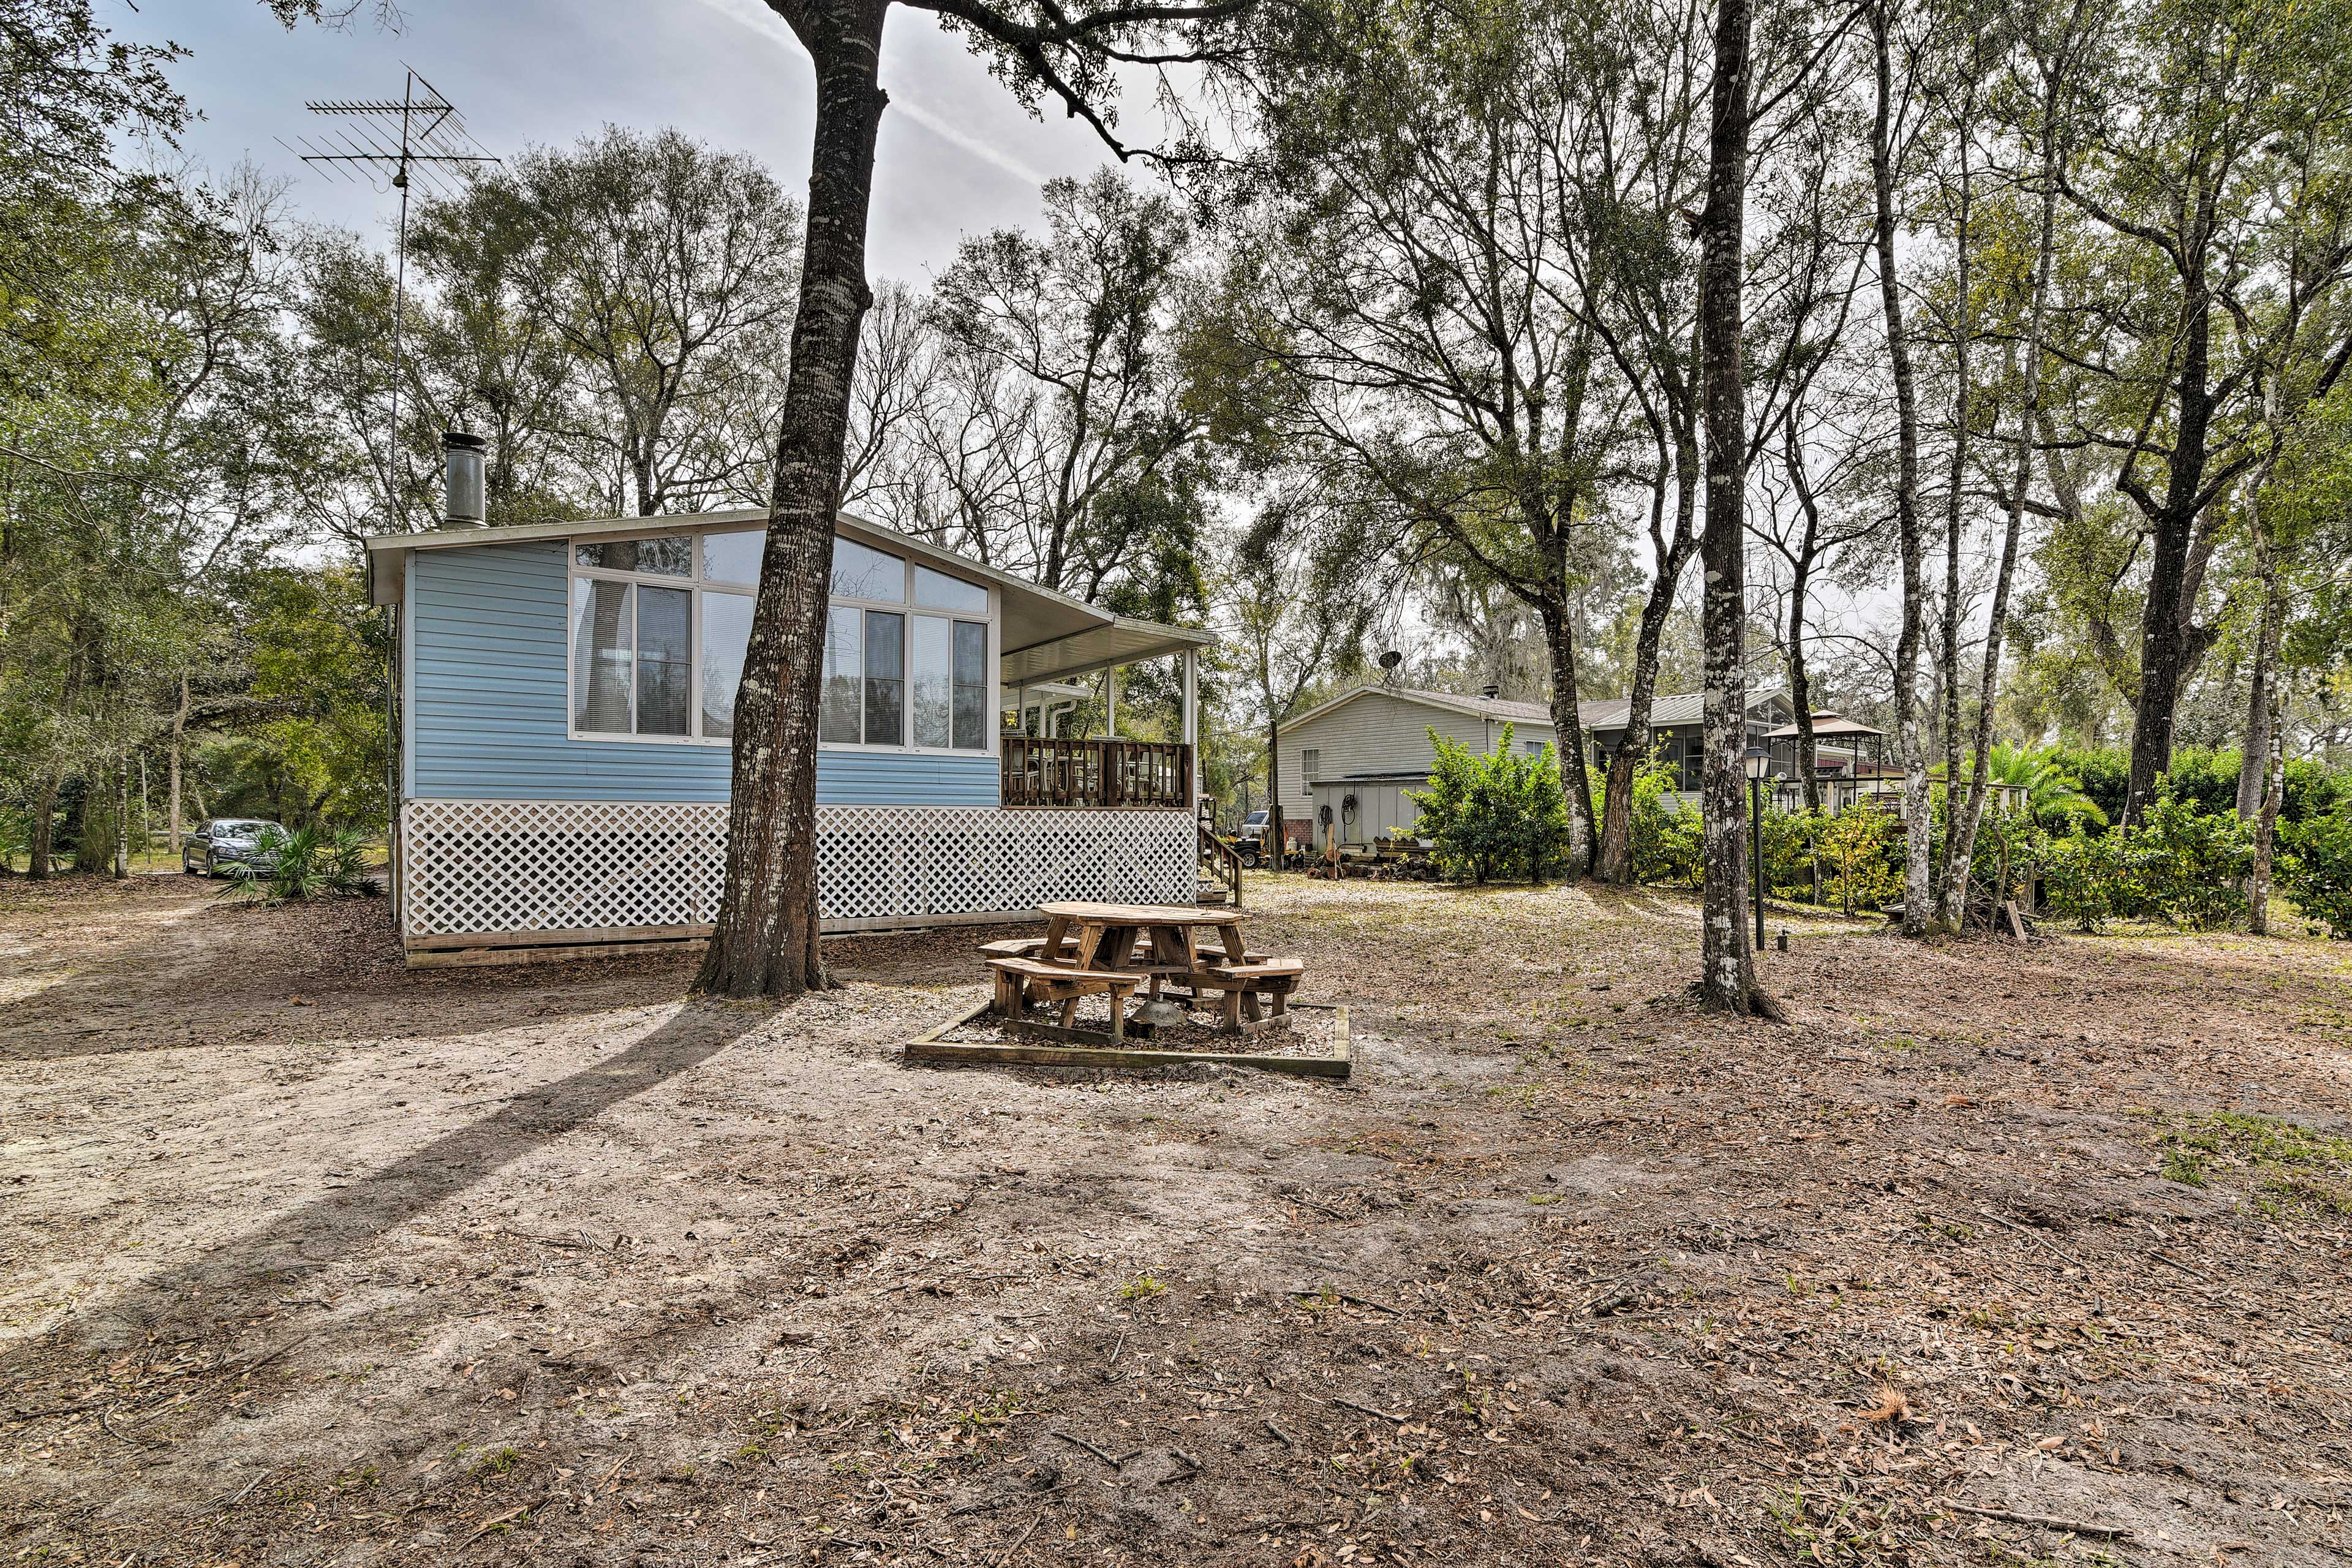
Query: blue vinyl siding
point(487, 709)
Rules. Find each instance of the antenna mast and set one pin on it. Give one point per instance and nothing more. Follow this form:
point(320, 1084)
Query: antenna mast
point(422, 138)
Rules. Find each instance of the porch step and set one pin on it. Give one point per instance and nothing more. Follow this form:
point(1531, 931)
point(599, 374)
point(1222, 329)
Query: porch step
point(1212, 895)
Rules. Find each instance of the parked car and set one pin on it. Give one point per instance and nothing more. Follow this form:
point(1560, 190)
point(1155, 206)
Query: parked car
point(1249, 840)
point(219, 846)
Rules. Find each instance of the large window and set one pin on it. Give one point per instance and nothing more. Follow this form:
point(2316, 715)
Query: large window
point(902, 667)
point(659, 627)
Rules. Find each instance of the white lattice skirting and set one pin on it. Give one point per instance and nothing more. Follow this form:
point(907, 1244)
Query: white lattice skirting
point(571, 870)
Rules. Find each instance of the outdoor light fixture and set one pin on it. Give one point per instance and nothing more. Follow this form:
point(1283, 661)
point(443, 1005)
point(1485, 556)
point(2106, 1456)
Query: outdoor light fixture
point(1756, 762)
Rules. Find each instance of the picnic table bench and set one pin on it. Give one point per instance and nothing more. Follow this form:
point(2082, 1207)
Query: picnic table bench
point(1034, 947)
point(1019, 979)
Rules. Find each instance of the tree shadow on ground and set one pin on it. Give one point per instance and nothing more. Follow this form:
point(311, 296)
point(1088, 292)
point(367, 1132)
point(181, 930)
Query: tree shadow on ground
point(169, 967)
point(250, 1272)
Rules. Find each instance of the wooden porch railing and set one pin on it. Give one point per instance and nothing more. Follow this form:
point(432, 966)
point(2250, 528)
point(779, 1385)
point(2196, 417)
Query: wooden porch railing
point(1221, 863)
point(1131, 774)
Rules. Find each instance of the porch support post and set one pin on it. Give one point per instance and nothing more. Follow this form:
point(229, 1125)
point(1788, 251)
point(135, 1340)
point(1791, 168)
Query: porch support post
point(1192, 716)
point(1110, 702)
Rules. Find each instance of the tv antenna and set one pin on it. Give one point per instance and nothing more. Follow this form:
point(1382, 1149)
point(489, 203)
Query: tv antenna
point(422, 139)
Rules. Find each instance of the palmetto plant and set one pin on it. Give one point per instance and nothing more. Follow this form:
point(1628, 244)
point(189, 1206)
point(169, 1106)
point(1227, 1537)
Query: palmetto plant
point(311, 863)
point(2055, 794)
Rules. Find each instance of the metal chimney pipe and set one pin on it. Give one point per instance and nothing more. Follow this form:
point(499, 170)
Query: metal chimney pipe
point(462, 501)
point(1490, 692)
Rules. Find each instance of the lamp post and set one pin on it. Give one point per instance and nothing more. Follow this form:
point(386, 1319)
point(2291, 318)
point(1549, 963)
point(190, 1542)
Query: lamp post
point(1758, 762)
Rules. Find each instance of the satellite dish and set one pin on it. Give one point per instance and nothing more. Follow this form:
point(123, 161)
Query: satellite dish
point(1391, 660)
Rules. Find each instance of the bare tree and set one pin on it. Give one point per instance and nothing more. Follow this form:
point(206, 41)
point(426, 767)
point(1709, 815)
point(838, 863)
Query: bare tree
point(1064, 394)
point(1887, 130)
point(665, 267)
point(2052, 61)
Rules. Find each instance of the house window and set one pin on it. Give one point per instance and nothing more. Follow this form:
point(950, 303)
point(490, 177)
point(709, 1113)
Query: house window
point(1535, 748)
point(659, 628)
point(1312, 763)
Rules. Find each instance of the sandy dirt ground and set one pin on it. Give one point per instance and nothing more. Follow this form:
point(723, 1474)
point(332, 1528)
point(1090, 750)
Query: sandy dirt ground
point(1992, 1256)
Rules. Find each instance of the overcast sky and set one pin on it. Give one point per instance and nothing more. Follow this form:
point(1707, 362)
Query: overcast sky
point(958, 155)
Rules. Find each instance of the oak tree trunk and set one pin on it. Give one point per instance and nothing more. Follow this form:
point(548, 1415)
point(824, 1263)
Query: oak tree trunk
point(2258, 885)
point(765, 940)
point(1952, 898)
point(43, 840)
point(2166, 645)
point(178, 741)
point(1726, 978)
point(1918, 820)
point(1574, 781)
point(118, 866)
point(1272, 842)
point(2253, 766)
point(1800, 685)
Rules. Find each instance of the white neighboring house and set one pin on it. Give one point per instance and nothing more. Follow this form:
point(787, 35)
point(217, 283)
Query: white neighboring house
point(1371, 744)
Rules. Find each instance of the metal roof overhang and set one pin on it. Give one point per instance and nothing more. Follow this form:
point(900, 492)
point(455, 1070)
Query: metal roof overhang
point(1083, 652)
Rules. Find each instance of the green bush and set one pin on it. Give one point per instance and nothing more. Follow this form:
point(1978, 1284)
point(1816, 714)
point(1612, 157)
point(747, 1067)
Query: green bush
point(2205, 776)
point(2186, 865)
point(2181, 864)
point(1666, 841)
point(1502, 815)
point(2018, 842)
point(2083, 876)
point(2103, 773)
point(2314, 871)
point(312, 863)
point(2208, 775)
point(1669, 846)
point(1790, 837)
point(2314, 790)
point(1860, 848)
point(16, 837)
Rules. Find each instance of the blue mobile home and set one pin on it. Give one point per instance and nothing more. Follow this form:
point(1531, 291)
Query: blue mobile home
point(565, 712)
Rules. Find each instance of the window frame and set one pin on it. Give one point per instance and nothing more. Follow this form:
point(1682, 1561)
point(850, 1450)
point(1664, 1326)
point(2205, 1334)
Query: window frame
point(697, 583)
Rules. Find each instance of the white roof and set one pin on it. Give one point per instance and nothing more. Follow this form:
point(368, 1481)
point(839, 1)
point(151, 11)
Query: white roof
point(1479, 707)
point(1681, 708)
point(1046, 636)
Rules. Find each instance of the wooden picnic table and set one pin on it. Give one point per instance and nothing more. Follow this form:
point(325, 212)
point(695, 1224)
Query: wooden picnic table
point(1103, 938)
point(1107, 933)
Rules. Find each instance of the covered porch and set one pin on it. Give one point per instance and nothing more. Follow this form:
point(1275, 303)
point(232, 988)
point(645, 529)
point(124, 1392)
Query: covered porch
point(1072, 680)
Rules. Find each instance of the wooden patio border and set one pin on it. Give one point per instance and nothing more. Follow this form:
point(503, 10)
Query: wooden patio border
point(930, 1047)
